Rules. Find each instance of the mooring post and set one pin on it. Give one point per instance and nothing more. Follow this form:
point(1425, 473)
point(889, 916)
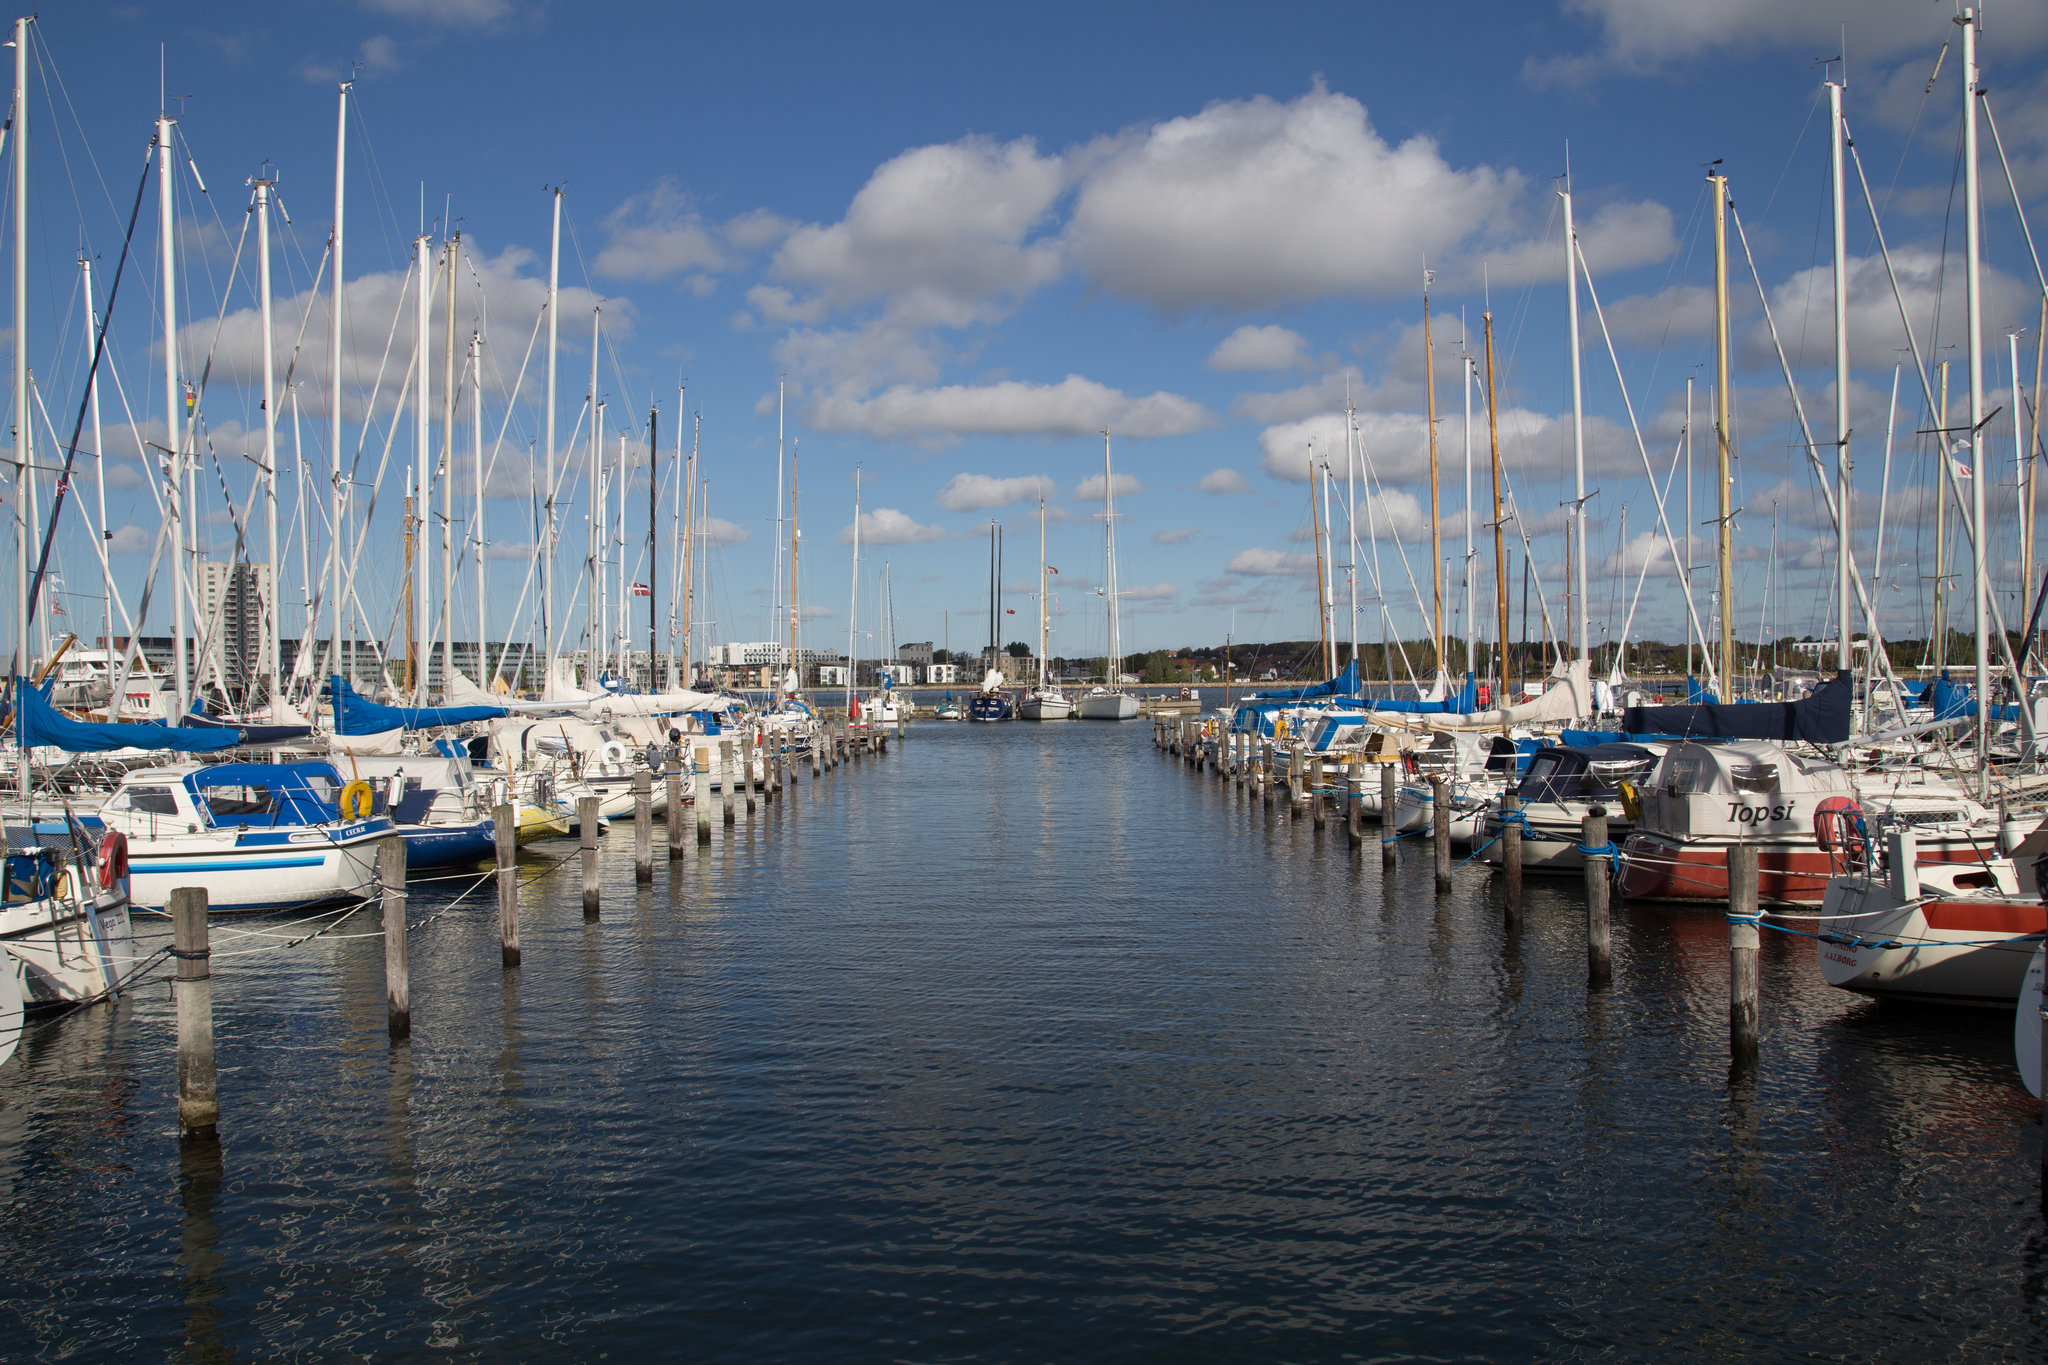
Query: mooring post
point(1354, 804)
point(1315, 792)
point(675, 821)
point(1389, 831)
point(747, 769)
point(1440, 828)
point(586, 818)
point(725, 777)
point(1743, 919)
point(817, 768)
point(198, 1080)
point(700, 787)
point(773, 746)
point(505, 824)
point(1599, 855)
point(397, 978)
point(1511, 852)
point(643, 826)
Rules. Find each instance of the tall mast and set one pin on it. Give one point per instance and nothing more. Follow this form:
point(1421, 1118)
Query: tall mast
point(1465, 373)
point(1723, 436)
point(1685, 572)
point(423, 454)
point(1436, 535)
point(1116, 661)
point(476, 516)
point(1500, 561)
point(173, 417)
point(622, 636)
point(447, 471)
point(595, 607)
point(1350, 538)
point(338, 485)
point(1974, 290)
point(653, 520)
point(100, 476)
point(1582, 617)
point(271, 624)
point(1842, 466)
point(775, 604)
point(1316, 486)
point(22, 529)
point(853, 599)
point(1043, 629)
point(796, 535)
point(546, 548)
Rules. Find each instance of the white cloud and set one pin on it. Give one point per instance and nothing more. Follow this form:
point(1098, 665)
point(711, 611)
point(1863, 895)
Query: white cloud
point(653, 235)
point(446, 13)
point(1091, 487)
point(1260, 348)
point(1803, 307)
point(1396, 444)
point(1258, 203)
point(975, 492)
point(1218, 481)
point(1072, 407)
point(1327, 394)
point(1149, 592)
point(1180, 537)
point(887, 526)
point(1642, 550)
point(718, 531)
point(1262, 562)
point(376, 56)
point(132, 540)
point(938, 233)
point(854, 362)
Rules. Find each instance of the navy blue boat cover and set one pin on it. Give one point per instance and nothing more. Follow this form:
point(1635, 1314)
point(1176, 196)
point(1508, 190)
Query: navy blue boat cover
point(356, 715)
point(38, 722)
point(254, 735)
point(1345, 684)
point(1464, 704)
point(1822, 718)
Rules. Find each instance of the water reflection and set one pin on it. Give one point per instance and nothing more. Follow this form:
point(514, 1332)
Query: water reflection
point(200, 1259)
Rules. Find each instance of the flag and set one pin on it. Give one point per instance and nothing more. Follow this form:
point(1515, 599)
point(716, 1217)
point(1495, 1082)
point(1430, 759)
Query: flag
point(1962, 470)
point(1050, 569)
point(1009, 611)
point(642, 590)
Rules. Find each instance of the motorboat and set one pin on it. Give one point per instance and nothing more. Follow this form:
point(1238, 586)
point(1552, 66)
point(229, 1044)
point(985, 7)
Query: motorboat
point(1557, 790)
point(257, 836)
point(435, 803)
point(64, 923)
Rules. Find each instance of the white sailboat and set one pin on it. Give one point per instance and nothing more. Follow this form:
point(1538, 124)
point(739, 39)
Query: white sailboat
point(1045, 701)
point(1109, 701)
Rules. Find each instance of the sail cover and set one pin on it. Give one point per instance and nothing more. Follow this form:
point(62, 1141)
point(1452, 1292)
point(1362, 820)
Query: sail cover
point(38, 722)
point(1823, 718)
point(1566, 698)
point(356, 715)
point(1463, 704)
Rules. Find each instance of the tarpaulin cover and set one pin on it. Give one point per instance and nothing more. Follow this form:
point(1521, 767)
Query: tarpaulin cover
point(252, 735)
point(1696, 694)
point(1952, 701)
point(356, 715)
point(1466, 701)
point(38, 722)
point(1822, 718)
point(1345, 684)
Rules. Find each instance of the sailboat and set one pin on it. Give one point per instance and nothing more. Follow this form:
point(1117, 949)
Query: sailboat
point(993, 702)
point(1109, 701)
point(1045, 701)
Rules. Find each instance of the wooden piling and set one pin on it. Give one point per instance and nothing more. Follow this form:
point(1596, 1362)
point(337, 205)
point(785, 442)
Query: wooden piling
point(643, 827)
point(1354, 805)
point(747, 769)
point(676, 816)
point(772, 745)
point(1743, 919)
point(1315, 792)
point(1390, 783)
point(198, 1080)
point(700, 783)
point(397, 976)
point(817, 767)
point(1599, 866)
point(505, 822)
point(725, 777)
point(1440, 828)
point(1511, 853)
point(586, 817)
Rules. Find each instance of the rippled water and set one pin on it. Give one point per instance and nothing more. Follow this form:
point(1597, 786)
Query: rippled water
point(1024, 1043)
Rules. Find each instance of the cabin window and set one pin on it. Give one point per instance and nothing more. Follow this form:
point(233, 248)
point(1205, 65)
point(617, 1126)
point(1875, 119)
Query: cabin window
point(324, 788)
point(228, 803)
point(152, 800)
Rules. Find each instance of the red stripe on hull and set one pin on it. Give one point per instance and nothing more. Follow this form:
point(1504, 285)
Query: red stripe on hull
point(1656, 870)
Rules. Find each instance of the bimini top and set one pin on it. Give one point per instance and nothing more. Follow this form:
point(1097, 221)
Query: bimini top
point(267, 794)
point(1568, 774)
point(1746, 768)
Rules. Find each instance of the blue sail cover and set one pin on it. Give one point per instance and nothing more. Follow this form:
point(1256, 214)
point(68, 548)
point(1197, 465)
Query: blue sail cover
point(357, 715)
point(1464, 704)
point(1696, 694)
point(1822, 718)
point(1952, 701)
point(1345, 684)
point(38, 722)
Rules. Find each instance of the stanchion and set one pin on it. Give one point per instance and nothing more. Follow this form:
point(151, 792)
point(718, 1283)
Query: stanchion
point(1389, 826)
point(643, 827)
point(1511, 853)
point(676, 819)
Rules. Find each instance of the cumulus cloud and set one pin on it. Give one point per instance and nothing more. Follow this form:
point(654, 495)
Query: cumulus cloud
point(975, 492)
point(1218, 481)
point(1258, 203)
point(1260, 562)
point(375, 57)
point(1396, 444)
point(132, 540)
point(939, 234)
point(1803, 308)
point(1260, 348)
point(657, 234)
point(887, 526)
point(716, 531)
point(1091, 487)
point(1149, 592)
point(1180, 537)
point(1072, 407)
point(1327, 394)
point(446, 13)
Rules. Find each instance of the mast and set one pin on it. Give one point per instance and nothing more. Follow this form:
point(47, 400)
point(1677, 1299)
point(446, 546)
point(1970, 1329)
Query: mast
point(547, 537)
point(274, 654)
point(1043, 623)
point(794, 535)
point(173, 418)
point(484, 671)
point(1500, 562)
point(100, 479)
point(775, 570)
point(1723, 436)
point(447, 470)
point(1838, 187)
point(423, 453)
point(1974, 293)
point(1938, 651)
point(623, 594)
point(22, 475)
point(338, 486)
point(653, 519)
point(1465, 374)
point(1686, 574)
point(1436, 535)
point(853, 600)
point(595, 607)
point(1322, 587)
point(1582, 618)
point(1350, 538)
point(1116, 660)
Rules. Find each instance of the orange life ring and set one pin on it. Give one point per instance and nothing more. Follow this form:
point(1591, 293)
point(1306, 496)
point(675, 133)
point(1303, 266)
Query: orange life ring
point(113, 859)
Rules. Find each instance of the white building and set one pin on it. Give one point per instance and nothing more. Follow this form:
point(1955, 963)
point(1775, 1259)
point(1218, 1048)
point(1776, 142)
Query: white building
point(232, 624)
point(941, 675)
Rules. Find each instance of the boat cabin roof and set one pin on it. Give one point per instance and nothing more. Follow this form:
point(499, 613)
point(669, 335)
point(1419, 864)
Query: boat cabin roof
point(1746, 766)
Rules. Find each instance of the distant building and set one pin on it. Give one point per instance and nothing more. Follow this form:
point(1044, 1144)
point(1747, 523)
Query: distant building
point(833, 675)
point(916, 655)
point(237, 637)
point(941, 675)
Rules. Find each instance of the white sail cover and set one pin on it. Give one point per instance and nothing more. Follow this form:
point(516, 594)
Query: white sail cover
point(650, 704)
point(458, 690)
point(994, 681)
point(383, 742)
point(1568, 697)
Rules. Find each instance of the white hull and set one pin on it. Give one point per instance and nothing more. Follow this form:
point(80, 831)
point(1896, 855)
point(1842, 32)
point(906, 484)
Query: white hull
point(1107, 706)
point(1414, 811)
point(1045, 708)
point(64, 959)
point(242, 875)
point(1945, 944)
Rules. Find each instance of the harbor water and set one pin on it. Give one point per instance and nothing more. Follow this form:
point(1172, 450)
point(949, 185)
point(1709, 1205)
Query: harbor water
point(1021, 1042)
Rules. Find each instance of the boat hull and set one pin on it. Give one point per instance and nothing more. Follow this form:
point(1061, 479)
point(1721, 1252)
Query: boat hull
point(1655, 867)
point(1045, 708)
point(64, 956)
point(1107, 706)
point(433, 846)
point(1952, 950)
point(991, 708)
point(281, 872)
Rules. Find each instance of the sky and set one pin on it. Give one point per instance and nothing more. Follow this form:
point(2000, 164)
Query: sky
point(962, 242)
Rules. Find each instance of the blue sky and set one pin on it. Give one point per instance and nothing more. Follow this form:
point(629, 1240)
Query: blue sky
point(968, 240)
